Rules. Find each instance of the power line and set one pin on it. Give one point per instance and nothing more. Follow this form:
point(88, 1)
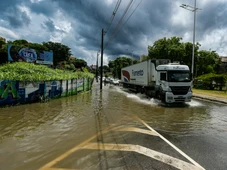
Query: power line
point(114, 14)
point(120, 21)
point(122, 17)
point(111, 39)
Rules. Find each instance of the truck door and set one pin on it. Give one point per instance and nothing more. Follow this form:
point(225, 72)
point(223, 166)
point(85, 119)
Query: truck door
point(161, 78)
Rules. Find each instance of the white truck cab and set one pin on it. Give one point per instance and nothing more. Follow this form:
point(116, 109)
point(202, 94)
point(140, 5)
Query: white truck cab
point(173, 83)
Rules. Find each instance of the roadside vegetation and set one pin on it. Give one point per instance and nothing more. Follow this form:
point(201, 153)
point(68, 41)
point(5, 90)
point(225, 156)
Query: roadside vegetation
point(211, 81)
point(214, 93)
point(64, 67)
point(62, 56)
point(209, 72)
point(23, 71)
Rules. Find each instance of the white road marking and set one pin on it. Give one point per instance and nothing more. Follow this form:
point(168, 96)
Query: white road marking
point(177, 163)
point(172, 145)
point(133, 129)
point(128, 147)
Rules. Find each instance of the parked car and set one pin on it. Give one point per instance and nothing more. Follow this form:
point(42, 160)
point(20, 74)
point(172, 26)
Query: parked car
point(116, 82)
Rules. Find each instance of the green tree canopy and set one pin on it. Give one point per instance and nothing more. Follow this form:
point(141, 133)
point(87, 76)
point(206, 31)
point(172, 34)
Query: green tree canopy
point(60, 52)
point(118, 64)
point(175, 50)
point(79, 63)
point(207, 62)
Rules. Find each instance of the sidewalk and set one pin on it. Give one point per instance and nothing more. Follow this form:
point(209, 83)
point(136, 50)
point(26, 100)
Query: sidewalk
point(210, 98)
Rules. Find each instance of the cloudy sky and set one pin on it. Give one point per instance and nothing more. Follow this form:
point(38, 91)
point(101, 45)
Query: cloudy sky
point(78, 24)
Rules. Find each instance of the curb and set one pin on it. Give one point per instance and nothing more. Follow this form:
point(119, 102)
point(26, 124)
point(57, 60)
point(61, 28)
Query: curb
point(214, 99)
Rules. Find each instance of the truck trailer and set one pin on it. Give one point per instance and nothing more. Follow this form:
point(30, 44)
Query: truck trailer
point(159, 79)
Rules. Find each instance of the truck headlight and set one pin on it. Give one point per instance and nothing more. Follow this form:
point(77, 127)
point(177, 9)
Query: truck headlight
point(190, 89)
point(170, 98)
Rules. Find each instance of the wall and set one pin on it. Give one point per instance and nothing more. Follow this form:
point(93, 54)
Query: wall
point(19, 92)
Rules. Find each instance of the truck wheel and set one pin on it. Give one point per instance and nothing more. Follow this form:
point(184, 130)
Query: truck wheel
point(157, 95)
point(142, 90)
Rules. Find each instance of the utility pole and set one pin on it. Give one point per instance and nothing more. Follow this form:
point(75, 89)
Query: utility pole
point(97, 67)
point(193, 9)
point(193, 48)
point(101, 74)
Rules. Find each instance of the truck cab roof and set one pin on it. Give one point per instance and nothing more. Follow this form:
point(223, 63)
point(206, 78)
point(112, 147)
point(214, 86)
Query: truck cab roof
point(173, 67)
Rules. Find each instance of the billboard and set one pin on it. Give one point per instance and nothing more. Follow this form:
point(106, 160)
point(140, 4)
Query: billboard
point(18, 53)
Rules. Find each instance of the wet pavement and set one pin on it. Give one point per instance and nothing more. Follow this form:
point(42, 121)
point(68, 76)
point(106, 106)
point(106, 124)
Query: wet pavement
point(113, 129)
point(210, 98)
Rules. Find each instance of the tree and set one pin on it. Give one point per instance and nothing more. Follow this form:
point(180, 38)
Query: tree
point(37, 47)
point(135, 61)
point(206, 62)
point(3, 52)
point(60, 52)
point(173, 49)
point(118, 64)
point(2, 43)
point(79, 63)
point(144, 57)
point(20, 42)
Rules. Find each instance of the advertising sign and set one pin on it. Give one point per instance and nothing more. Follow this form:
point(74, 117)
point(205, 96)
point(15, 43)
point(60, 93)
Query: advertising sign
point(16, 53)
point(45, 57)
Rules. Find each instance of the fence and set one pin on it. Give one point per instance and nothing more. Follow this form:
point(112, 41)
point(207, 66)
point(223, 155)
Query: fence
point(22, 92)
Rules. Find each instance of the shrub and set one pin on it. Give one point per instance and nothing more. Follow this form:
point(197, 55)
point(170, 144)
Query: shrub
point(210, 81)
point(23, 71)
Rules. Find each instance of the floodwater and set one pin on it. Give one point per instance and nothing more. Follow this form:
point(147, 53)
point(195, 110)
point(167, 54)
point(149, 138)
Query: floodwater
point(33, 135)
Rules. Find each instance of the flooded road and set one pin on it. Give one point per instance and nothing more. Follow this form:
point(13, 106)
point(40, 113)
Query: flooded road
point(31, 136)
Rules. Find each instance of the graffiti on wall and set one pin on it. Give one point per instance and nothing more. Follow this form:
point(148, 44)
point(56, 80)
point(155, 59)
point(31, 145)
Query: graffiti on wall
point(9, 92)
point(14, 92)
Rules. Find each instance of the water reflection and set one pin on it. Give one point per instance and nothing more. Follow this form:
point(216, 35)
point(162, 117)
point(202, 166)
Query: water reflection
point(32, 135)
point(193, 118)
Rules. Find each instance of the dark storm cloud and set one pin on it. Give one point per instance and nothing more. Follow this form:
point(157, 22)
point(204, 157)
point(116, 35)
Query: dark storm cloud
point(92, 16)
point(11, 12)
point(211, 16)
point(47, 7)
point(7, 4)
point(152, 20)
point(49, 25)
point(17, 18)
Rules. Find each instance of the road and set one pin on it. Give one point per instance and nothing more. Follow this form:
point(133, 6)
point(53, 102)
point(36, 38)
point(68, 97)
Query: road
point(113, 129)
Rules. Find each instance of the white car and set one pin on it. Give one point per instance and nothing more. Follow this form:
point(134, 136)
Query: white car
point(116, 82)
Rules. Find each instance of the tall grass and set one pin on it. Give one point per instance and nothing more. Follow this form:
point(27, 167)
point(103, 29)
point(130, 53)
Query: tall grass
point(23, 71)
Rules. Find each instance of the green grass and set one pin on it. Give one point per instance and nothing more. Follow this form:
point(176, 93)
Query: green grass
point(214, 93)
point(23, 71)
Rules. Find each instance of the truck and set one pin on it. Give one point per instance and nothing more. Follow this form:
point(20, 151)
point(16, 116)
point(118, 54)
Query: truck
point(159, 79)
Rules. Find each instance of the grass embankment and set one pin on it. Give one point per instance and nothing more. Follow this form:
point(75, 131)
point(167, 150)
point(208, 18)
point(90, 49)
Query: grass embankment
point(31, 72)
point(213, 93)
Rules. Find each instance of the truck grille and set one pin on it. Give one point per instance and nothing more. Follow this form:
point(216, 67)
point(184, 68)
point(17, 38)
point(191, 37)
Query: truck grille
point(180, 90)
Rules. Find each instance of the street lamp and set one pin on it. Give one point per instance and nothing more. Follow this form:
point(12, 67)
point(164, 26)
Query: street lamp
point(193, 9)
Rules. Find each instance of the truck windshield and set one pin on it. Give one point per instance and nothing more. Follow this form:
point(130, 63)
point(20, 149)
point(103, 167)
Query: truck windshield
point(179, 76)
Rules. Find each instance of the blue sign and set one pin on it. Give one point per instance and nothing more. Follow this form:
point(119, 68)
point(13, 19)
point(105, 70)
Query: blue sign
point(45, 57)
point(16, 53)
point(28, 55)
